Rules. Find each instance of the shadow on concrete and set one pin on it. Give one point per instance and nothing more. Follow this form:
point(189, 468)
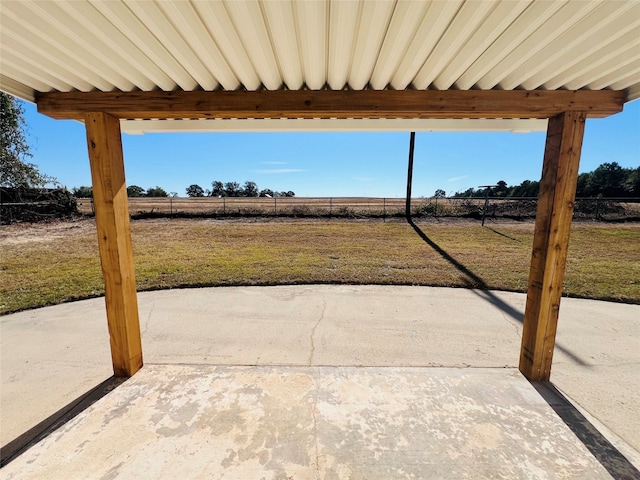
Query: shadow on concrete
point(608, 455)
point(32, 436)
point(480, 288)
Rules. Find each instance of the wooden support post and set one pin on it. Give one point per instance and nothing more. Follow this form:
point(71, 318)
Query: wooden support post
point(550, 243)
point(114, 239)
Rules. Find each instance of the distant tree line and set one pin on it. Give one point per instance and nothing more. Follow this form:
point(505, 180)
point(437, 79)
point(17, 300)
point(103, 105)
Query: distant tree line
point(218, 189)
point(608, 180)
point(132, 191)
point(234, 189)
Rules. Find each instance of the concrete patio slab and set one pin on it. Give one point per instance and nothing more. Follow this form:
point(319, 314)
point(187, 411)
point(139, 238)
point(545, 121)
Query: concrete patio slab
point(184, 421)
point(50, 356)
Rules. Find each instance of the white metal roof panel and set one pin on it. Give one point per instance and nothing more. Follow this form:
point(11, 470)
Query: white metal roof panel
point(138, 127)
point(127, 45)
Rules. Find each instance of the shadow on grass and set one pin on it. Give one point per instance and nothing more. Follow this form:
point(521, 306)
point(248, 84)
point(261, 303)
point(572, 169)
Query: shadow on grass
point(480, 288)
point(503, 235)
point(607, 455)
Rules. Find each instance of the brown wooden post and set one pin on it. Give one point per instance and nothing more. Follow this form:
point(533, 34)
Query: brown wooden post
point(114, 239)
point(550, 243)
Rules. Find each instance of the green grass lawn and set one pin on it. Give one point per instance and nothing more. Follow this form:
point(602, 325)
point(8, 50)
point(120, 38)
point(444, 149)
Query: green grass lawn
point(49, 264)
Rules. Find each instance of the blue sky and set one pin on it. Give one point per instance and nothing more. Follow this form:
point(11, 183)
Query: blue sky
point(328, 164)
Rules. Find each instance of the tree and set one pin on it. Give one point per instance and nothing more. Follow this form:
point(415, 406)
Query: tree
point(581, 188)
point(232, 189)
point(289, 194)
point(135, 191)
point(217, 189)
point(250, 189)
point(267, 192)
point(526, 189)
point(15, 171)
point(440, 193)
point(501, 190)
point(82, 192)
point(156, 192)
point(195, 191)
point(631, 184)
point(469, 192)
point(606, 180)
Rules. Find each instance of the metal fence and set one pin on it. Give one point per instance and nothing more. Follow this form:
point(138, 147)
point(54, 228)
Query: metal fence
point(35, 204)
point(600, 209)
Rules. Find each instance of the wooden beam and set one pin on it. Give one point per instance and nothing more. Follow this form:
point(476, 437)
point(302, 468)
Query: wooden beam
point(114, 239)
point(332, 104)
point(550, 243)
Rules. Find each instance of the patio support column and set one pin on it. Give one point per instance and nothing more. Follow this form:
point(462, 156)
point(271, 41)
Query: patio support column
point(550, 243)
point(114, 239)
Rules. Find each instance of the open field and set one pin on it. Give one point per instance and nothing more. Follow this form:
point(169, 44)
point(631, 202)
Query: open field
point(356, 207)
point(263, 205)
point(44, 264)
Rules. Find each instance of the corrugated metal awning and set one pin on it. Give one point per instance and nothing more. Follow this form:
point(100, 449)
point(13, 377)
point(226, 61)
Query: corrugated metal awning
point(96, 45)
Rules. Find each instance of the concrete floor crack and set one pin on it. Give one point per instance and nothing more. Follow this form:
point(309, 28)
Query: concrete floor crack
point(148, 320)
point(514, 325)
point(313, 333)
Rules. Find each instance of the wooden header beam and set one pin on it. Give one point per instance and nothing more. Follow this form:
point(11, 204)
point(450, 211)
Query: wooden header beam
point(453, 104)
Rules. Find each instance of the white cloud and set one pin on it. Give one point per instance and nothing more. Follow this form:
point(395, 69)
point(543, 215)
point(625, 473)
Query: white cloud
point(280, 170)
point(456, 179)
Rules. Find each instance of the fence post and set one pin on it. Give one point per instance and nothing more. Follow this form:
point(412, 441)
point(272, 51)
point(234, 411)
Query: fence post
point(224, 205)
point(170, 206)
point(330, 205)
point(486, 206)
point(275, 205)
point(384, 210)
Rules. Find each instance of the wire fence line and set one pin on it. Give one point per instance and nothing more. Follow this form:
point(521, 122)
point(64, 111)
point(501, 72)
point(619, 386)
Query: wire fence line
point(35, 204)
point(600, 209)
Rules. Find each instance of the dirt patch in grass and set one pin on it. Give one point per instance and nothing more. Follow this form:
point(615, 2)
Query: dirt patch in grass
point(58, 262)
point(18, 233)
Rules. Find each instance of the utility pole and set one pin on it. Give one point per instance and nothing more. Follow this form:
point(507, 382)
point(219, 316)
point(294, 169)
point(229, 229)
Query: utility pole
point(407, 207)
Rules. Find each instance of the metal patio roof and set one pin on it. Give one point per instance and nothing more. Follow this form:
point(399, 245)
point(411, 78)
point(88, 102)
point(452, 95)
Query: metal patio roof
point(110, 62)
point(98, 45)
